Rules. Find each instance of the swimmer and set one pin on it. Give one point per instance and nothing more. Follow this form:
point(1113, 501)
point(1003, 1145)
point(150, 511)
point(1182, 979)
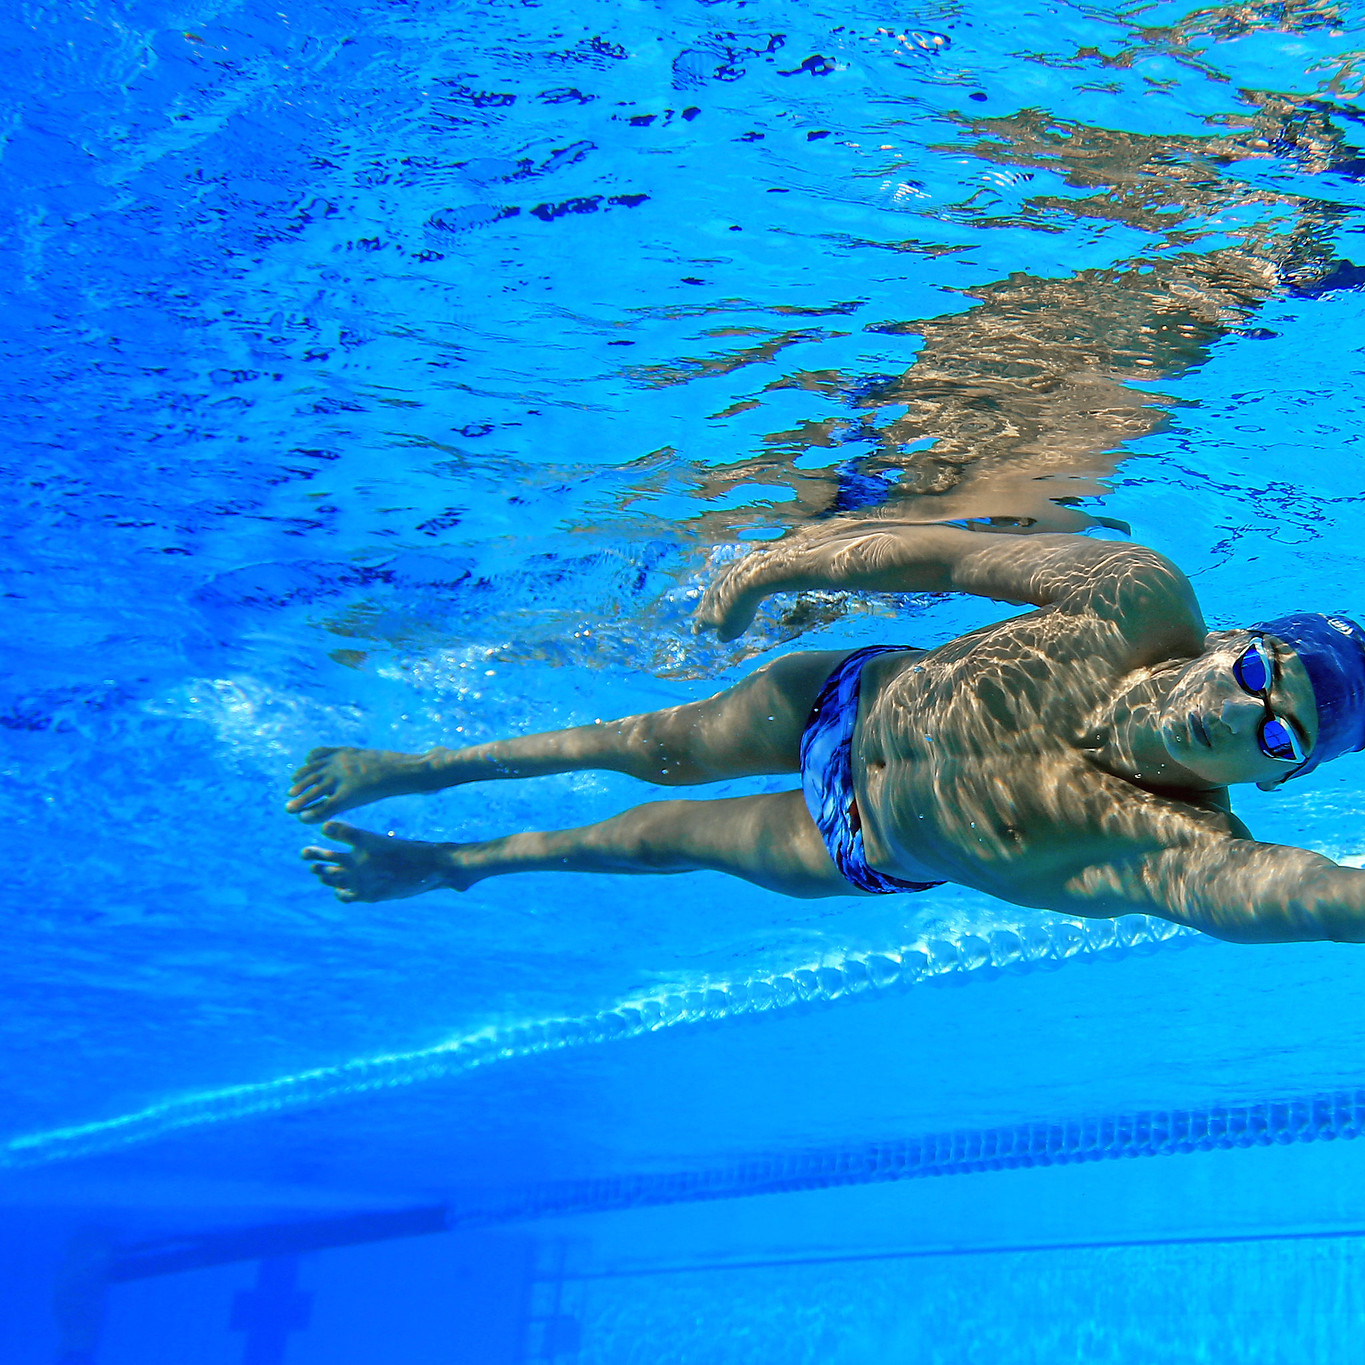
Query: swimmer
point(1075, 758)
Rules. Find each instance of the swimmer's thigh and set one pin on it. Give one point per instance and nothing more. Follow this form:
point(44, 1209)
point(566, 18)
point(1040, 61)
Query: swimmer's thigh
point(753, 727)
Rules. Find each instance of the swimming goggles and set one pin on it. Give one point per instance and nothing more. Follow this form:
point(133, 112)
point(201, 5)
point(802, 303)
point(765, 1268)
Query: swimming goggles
point(1255, 674)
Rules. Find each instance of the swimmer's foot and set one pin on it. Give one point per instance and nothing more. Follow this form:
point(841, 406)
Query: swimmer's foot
point(378, 867)
point(334, 780)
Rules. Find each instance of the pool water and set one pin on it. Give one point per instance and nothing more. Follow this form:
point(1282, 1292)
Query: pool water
point(399, 375)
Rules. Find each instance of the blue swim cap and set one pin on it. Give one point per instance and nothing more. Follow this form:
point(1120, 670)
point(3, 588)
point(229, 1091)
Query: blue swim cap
point(1333, 651)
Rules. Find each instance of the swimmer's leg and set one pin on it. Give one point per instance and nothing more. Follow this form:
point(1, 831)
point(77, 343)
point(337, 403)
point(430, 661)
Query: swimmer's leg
point(769, 840)
point(752, 728)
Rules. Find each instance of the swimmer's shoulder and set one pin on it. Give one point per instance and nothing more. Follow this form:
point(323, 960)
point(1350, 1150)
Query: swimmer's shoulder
point(1145, 598)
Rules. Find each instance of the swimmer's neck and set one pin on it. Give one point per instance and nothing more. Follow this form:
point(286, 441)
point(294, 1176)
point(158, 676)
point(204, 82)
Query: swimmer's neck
point(1122, 736)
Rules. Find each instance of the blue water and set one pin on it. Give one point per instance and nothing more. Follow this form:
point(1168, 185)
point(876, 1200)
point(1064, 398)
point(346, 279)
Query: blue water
point(398, 374)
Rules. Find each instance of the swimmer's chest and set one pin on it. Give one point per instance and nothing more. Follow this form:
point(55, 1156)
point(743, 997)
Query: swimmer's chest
point(993, 693)
point(972, 763)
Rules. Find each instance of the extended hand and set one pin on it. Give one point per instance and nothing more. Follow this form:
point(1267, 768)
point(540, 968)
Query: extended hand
point(338, 779)
point(377, 867)
point(875, 556)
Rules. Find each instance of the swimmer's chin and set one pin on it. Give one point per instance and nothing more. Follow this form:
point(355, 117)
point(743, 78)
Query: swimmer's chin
point(1179, 750)
point(1184, 738)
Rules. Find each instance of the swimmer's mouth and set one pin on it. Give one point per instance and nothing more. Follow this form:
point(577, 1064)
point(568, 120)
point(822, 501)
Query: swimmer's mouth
point(1199, 733)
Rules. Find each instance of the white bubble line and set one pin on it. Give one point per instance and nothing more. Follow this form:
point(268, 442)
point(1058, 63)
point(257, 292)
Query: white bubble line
point(937, 961)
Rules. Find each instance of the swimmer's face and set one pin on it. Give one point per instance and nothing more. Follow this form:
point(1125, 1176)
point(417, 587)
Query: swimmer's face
point(1212, 726)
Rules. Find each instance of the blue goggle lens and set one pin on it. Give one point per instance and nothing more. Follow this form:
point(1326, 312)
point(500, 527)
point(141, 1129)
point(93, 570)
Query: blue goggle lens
point(1253, 670)
point(1254, 673)
point(1279, 741)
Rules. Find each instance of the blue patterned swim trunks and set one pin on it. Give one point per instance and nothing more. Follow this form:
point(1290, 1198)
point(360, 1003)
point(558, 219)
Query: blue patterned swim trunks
point(827, 775)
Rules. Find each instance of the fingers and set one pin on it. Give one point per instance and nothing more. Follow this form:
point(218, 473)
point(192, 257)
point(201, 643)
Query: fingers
point(314, 803)
point(336, 856)
point(308, 778)
point(729, 604)
point(723, 606)
point(337, 878)
point(334, 867)
point(344, 833)
point(727, 613)
point(736, 621)
point(338, 867)
point(312, 768)
point(308, 794)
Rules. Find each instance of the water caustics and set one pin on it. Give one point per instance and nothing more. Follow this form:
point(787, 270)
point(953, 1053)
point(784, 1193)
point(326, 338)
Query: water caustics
point(378, 374)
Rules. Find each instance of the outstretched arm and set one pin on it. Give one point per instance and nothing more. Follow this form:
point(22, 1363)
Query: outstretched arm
point(769, 840)
point(1234, 889)
point(884, 556)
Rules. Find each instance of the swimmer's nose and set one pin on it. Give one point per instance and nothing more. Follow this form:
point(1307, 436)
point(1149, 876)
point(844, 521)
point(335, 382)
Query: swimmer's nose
point(1241, 714)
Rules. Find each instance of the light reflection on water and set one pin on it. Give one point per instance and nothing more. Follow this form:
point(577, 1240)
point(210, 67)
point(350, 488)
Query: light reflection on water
point(374, 375)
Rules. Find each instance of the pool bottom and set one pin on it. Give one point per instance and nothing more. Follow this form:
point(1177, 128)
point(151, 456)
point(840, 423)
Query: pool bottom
point(1246, 1255)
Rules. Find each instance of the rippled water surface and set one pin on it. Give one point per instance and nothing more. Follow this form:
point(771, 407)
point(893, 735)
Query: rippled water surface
point(392, 374)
